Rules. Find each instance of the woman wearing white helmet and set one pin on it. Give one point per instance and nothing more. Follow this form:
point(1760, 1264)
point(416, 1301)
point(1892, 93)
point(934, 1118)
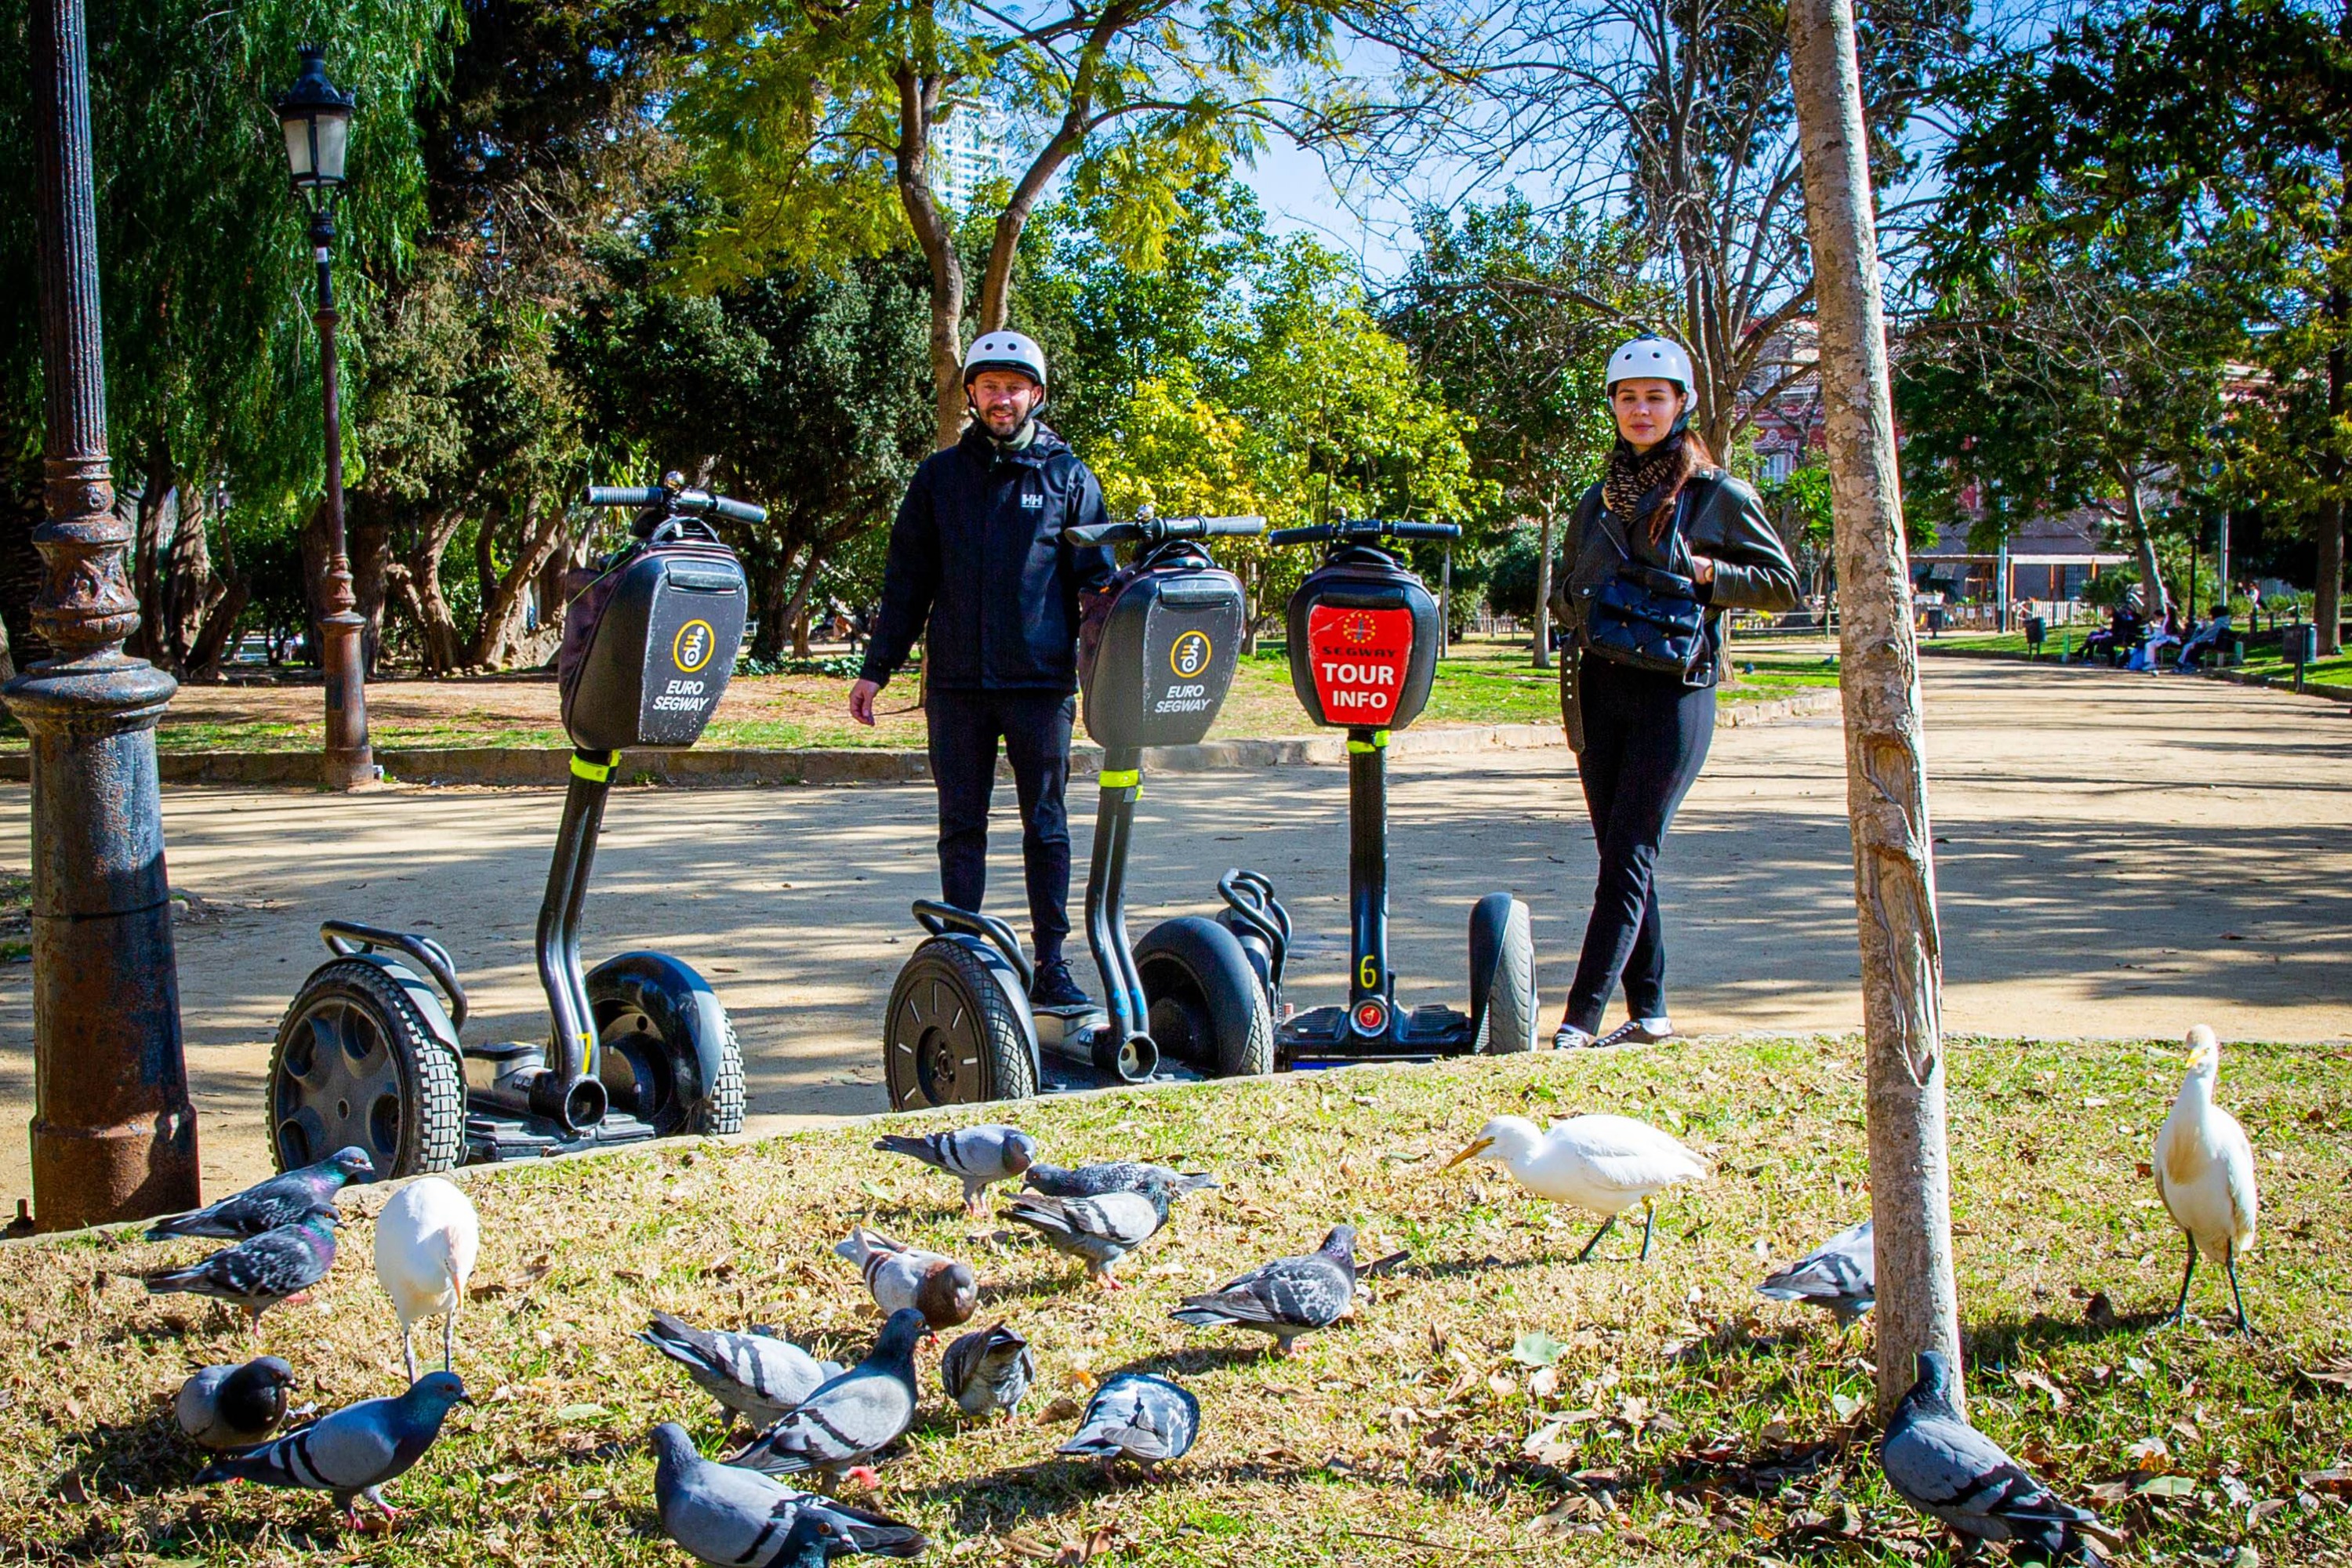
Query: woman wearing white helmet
point(1665, 532)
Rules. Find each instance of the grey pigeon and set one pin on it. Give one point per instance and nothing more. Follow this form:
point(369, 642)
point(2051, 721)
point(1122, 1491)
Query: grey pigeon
point(1145, 1418)
point(257, 1274)
point(1117, 1177)
point(1285, 1297)
point(1840, 1274)
point(1940, 1465)
point(234, 1406)
point(979, 1154)
point(945, 1291)
point(353, 1451)
point(1101, 1230)
point(281, 1200)
point(758, 1375)
point(988, 1370)
point(858, 1414)
point(741, 1518)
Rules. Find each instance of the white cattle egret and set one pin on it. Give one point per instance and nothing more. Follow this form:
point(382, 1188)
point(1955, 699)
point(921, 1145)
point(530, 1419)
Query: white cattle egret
point(1604, 1164)
point(2205, 1174)
point(425, 1243)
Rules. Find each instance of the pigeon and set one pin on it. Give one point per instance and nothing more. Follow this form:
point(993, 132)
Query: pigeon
point(758, 1375)
point(234, 1407)
point(1839, 1274)
point(1146, 1418)
point(353, 1451)
point(259, 1273)
point(988, 1370)
point(737, 1518)
point(2205, 1172)
point(1119, 1176)
point(1101, 1230)
point(1285, 1297)
point(425, 1242)
point(858, 1414)
point(1602, 1164)
point(1942, 1466)
point(945, 1291)
point(281, 1200)
point(979, 1154)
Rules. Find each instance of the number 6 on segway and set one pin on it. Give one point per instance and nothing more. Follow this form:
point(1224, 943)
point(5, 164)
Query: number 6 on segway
point(639, 1047)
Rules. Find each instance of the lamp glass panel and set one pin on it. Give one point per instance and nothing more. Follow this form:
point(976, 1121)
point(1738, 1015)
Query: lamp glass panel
point(334, 135)
point(298, 146)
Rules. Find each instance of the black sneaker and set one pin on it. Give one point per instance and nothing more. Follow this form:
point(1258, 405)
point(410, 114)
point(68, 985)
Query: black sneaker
point(1056, 991)
point(1637, 1032)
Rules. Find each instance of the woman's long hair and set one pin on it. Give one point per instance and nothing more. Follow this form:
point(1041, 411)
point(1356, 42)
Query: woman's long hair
point(1662, 471)
point(1690, 456)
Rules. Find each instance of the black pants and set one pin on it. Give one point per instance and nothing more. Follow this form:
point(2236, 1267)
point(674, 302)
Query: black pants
point(1035, 728)
point(1645, 738)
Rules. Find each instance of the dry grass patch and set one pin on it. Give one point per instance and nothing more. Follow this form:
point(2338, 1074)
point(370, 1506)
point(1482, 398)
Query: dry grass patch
point(1489, 1400)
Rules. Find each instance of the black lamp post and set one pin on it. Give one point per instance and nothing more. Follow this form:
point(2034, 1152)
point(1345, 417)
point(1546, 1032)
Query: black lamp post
point(113, 1135)
point(317, 119)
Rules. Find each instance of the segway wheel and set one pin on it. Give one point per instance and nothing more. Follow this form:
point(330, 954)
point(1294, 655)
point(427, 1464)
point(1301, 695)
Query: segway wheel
point(952, 1035)
point(1503, 976)
point(1208, 1003)
point(356, 1064)
point(667, 1049)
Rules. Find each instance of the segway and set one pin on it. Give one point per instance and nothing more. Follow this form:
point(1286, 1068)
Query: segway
point(639, 1048)
point(1363, 651)
point(1157, 660)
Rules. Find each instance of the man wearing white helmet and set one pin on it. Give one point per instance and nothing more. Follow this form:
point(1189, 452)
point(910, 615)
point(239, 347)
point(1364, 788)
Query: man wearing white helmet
point(1664, 528)
point(976, 558)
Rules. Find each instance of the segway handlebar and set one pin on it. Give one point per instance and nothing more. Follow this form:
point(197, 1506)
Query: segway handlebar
point(1153, 530)
point(1363, 528)
point(698, 503)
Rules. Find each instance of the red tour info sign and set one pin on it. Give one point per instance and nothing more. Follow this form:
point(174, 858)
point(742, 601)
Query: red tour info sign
point(1360, 661)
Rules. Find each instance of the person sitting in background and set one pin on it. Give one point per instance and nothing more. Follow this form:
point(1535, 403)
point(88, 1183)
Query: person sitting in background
point(2122, 636)
point(2209, 634)
point(2150, 657)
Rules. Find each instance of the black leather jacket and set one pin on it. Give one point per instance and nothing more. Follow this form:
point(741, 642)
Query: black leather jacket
point(976, 555)
point(1719, 517)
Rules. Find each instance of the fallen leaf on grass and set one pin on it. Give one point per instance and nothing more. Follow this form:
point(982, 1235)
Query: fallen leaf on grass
point(1062, 1409)
point(2150, 1452)
point(2165, 1486)
point(2031, 1379)
point(2337, 1482)
point(1536, 1348)
point(571, 1413)
point(2336, 1373)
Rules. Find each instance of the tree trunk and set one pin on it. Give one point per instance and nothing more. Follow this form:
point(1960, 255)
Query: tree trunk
point(796, 614)
point(191, 588)
point(485, 566)
point(919, 104)
point(212, 638)
point(2327, 592)
point(148, 580)
point(1887, 775)
point(2154, 597)
point(436, 625)
point(1543, 586)
point(767, 642)
point(502, 606)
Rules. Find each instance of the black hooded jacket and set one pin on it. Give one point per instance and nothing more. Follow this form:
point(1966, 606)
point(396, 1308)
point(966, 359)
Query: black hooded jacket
point(976, 553)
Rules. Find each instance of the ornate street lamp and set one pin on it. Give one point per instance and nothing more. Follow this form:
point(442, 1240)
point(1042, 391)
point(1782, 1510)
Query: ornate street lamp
point(114, 1134)
point(317, 121)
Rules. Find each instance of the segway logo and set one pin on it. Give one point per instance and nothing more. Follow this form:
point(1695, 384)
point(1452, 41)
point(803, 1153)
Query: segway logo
point(691, 649)
point(1190, 655)
point(1360, 661)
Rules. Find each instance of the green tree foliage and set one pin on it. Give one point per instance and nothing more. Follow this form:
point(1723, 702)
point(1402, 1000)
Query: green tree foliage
point(211, 361)
point(818, 121)
point(805, 391)
point(2221, 131)
point(1515, 316)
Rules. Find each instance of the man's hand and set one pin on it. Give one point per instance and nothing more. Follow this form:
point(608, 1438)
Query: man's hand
point(861, 700)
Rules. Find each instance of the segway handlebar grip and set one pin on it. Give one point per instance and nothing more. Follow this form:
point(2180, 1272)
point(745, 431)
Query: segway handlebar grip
point(1421, 530)
point(625, 495)
point(1302, 532)
point(1231, 527)
point(738, 511)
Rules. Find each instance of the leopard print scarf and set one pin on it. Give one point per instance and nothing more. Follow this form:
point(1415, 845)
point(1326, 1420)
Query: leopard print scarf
point(1642, 485)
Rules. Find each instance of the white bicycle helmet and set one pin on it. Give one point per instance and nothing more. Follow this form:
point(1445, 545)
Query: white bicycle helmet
point(1005, 350)
point(1654, 357)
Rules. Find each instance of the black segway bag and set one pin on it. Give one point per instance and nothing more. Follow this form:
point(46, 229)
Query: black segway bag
point(1363, 643)
point(649, 645)
point(1157, 653)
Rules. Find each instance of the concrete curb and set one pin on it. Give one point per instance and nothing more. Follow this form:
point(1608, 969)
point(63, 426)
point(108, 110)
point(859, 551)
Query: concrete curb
point(716, 768)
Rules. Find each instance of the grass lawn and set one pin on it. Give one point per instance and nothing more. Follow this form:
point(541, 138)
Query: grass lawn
point(1490, 1400)
point(1479, 682)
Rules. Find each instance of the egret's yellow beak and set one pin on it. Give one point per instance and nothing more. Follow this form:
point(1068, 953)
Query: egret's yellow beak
point(1471, 1152)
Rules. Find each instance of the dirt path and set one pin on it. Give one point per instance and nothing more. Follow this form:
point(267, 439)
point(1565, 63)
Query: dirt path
point(2117, 856)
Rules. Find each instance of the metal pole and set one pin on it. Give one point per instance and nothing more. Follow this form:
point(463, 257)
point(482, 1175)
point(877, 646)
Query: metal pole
point(349, 761)
point(2222, 556)
point(114, 1134)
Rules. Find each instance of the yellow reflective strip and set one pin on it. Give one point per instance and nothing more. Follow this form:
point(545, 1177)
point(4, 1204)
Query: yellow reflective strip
point(1121, 778)
point(1361, 746)
point(1379, 737)
point(596, 773)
